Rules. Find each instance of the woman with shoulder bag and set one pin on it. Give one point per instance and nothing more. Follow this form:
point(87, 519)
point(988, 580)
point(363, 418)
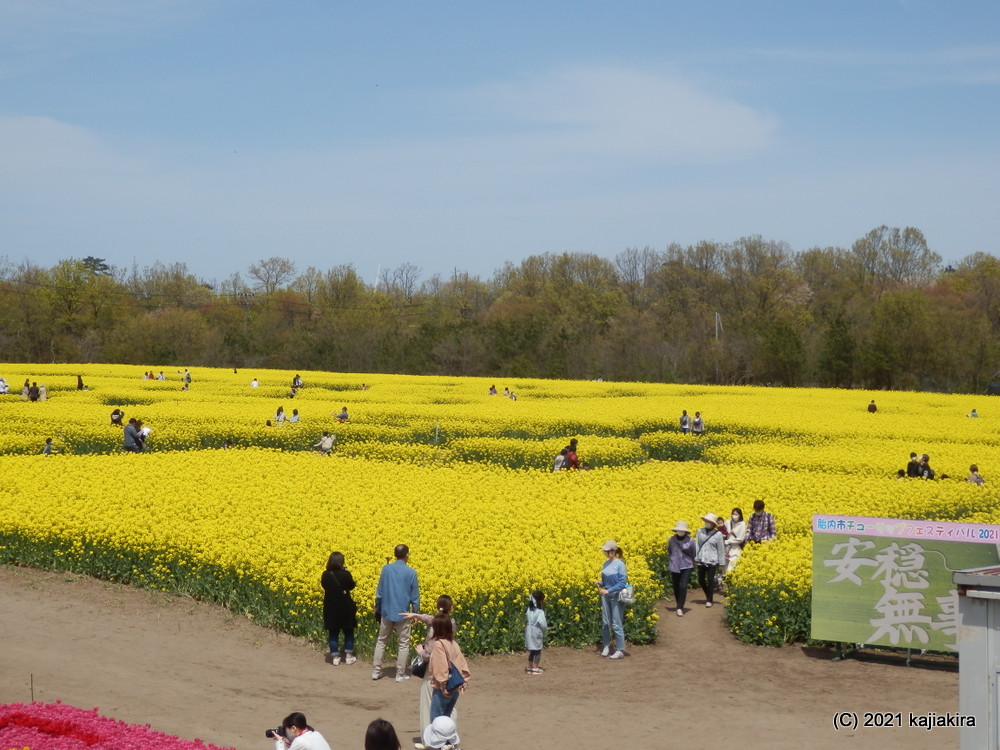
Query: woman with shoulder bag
point(447, 667)
point(339, 609)
point(444, 607)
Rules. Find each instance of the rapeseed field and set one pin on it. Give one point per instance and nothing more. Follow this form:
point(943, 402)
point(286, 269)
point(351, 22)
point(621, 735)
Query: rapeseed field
point(464, 479)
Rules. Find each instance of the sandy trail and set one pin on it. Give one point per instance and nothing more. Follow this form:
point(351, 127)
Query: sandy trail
point(196, 670)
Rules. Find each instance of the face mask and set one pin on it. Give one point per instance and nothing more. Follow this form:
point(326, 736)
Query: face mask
point(682, 534)
point(709, 526)
point(736, 516)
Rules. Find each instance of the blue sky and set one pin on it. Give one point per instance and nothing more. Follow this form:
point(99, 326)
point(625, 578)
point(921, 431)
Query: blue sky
point(459, 135)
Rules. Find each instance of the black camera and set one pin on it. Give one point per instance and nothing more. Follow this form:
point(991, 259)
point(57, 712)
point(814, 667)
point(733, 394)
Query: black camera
point(272, 733)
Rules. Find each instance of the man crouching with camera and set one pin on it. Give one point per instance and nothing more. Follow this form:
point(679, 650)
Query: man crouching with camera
point(295, 734)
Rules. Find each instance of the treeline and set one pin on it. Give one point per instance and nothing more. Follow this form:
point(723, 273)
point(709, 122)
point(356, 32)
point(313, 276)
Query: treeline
point(880, 314)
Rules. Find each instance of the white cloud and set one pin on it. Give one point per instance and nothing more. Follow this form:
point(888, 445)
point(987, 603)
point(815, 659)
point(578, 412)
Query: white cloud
point(595, 112)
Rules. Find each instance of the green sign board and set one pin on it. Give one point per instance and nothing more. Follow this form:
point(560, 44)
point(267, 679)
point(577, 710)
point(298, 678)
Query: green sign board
point(888, 582)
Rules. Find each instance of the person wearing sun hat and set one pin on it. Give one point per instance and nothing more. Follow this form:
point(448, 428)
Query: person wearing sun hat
point(440, 733)
point(710, 554)
point(614, 578)
point(681, 551)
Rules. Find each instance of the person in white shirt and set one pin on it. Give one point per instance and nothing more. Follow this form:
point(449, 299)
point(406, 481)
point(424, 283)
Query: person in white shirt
point(299, 735)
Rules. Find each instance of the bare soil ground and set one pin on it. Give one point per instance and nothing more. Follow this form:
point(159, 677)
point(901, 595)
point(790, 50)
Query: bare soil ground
point(196, 670)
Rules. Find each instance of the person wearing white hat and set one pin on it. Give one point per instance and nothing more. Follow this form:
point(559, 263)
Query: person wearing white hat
point(681, 551)
point(711, 553)
point(614, 578)
point(440, 733)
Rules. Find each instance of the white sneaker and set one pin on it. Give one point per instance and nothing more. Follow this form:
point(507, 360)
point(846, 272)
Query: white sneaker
point(402, 677)
point(680, 612)
point(606, 651)
point(335, 661)
point(376, 674)
point(350, 658)
point(708, 605)
point(617, 655)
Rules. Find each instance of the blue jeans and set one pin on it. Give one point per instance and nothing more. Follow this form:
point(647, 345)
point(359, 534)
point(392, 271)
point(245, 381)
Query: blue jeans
point(612, 617)
point(442, 706)
point(348, 641)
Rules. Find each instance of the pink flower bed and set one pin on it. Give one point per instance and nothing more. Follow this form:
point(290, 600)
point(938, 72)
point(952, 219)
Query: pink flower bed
point(55, 726)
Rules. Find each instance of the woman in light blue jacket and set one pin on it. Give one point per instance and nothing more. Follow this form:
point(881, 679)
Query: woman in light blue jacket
point(614, 578)
point(710, 555)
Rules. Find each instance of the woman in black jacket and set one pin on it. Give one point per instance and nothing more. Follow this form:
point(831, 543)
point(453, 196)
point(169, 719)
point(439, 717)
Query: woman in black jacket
point(339, 609)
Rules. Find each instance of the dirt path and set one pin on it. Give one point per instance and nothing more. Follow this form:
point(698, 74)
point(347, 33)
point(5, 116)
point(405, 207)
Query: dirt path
point(195, 670)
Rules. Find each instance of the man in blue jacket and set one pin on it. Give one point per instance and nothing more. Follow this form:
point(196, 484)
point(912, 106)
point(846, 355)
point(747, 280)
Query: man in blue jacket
point(397, 592)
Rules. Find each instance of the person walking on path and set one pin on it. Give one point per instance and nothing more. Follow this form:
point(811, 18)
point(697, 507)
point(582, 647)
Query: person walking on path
point(614, 578)
point(681, 550)
point(711, 553)
point(397, 592)
point(735, 539)
point(760, 527)
point(685, 422)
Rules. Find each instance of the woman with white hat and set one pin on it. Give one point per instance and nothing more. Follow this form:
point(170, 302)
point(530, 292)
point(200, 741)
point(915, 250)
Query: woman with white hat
point(614, 578)
point(711, 553)
point(681, 550)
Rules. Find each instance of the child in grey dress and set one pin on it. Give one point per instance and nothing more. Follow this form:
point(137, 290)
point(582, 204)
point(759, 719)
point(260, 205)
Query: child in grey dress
point(534, 631)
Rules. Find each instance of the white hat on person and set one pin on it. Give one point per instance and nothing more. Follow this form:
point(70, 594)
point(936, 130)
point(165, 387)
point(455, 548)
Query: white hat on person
point(441, 732)
point(681, 526)
point(609, 545)
point(711, 518)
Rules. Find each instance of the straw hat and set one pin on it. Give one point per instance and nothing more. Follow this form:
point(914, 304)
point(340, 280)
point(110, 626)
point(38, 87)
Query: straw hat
point(682, 526)
point(712, 518)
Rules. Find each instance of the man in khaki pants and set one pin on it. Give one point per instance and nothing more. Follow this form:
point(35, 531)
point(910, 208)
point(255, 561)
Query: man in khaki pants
point(397, 592)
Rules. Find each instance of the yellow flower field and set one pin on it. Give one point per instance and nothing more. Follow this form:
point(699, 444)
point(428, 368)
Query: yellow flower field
point(464, 479)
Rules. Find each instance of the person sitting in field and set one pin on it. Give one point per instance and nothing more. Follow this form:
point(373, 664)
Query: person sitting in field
point(973, 414)
point(295, 416)
point(342, 417)
point(974, 476)
point(116, 417)
point(255, 383)
point(872, 408)
point(279, 415)
point(48, 449)
point(560, 463)
point(926, 472)
point(493, 390)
